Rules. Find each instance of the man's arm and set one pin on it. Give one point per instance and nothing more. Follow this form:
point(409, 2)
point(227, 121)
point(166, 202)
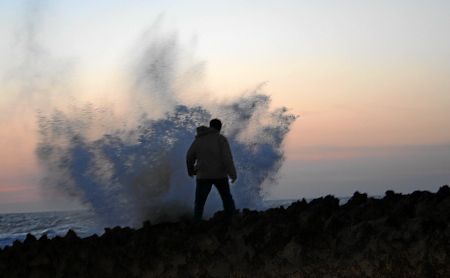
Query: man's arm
point(191, 157)
point(227, 159)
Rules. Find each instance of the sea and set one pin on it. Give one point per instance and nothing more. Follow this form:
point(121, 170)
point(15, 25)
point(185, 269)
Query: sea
point(16, 226)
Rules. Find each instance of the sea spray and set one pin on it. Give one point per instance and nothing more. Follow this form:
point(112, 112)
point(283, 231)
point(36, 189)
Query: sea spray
point(135, 171)
point(128, 183)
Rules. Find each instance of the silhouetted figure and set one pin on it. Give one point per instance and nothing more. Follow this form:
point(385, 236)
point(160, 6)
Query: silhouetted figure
point(209, 158)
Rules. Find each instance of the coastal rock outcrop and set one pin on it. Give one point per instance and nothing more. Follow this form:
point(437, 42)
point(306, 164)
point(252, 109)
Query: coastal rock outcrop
point(396, 236)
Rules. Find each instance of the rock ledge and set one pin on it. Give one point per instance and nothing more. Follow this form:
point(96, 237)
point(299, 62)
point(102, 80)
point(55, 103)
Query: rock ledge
point(397, 236)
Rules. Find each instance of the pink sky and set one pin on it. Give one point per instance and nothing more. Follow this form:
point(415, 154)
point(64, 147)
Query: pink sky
point(369, 81)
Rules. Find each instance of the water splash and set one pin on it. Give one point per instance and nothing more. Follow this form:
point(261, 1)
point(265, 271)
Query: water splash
point(136, 170)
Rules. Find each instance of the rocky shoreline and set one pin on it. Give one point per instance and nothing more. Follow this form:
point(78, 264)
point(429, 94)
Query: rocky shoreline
point(396, 236)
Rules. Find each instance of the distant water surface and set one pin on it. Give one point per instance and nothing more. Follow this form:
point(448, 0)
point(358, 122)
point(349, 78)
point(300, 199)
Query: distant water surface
point(16, 226)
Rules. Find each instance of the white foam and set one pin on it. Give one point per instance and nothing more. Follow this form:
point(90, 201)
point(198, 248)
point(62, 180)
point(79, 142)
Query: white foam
point(136, 171)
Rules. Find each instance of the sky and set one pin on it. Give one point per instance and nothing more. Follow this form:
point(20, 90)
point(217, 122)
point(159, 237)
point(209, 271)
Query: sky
point(369, 80)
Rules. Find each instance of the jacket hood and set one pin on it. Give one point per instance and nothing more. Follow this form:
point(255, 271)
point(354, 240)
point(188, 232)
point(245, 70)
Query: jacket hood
point(203, 130)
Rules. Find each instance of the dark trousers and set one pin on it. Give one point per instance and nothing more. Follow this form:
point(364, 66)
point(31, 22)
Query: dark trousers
point(202, 192)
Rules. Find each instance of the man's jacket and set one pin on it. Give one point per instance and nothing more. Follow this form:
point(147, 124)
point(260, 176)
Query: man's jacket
point(212, 153)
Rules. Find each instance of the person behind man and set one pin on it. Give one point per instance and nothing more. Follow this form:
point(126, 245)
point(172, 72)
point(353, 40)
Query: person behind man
point(209, 158)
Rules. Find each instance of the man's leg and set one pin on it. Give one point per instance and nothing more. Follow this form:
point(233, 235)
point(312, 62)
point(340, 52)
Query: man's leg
point(223, 187)
point(201, 193)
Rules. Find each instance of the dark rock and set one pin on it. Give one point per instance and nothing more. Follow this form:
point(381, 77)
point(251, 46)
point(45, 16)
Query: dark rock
point(29, 239)
point(356, 200)
point(443, 193)
point(397, 236)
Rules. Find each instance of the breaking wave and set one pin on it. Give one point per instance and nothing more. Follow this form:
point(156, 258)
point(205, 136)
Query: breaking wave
point(130, 167)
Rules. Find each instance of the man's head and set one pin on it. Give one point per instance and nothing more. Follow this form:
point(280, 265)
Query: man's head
point(216, 123)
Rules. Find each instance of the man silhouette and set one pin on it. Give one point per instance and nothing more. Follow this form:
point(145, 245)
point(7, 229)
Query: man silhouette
point(209, 158)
